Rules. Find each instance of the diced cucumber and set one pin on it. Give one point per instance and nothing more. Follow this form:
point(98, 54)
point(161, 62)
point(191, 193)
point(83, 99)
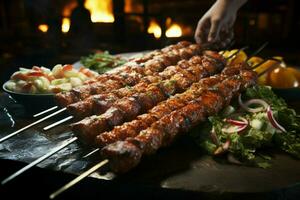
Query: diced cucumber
point(46, 83)
point(21, 83)
point(11, 85)
point(75, 81)
point(46, 70)
point(256, 124)
point(71, 73)
point(82, 76)
point(57, 70)
point(22, 69)
point(65, 86)
point(39, 84)
point(59, 81)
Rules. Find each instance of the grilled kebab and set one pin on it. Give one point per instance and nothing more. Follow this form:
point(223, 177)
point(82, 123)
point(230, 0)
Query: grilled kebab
point(127, 108)
point(125, 155)
point(131, 73)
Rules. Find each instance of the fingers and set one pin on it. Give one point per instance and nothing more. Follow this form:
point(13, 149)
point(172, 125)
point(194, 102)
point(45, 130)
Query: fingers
point(214, 31)
point(202, 31)
point(213, 34)
point(226, 38)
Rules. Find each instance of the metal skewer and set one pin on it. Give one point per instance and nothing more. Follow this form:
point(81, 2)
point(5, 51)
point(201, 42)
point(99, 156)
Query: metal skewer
point(58, 123)
point(32, 124)
point(257, 51)
point(78, 179)
point(39, 160)
point(273, 66)
point(91, 153)
point(266, 60)
point(227, 48)
point(45, 111)
point(237, 52)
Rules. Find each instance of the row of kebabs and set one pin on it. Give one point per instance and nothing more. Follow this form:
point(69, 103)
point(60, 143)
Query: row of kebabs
point(152, 100)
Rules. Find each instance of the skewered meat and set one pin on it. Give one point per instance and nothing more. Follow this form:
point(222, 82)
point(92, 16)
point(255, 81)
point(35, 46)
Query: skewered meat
point(125, 155)
point(98, 104)
point(132, 128)
point(130, 74)
point(128, 108)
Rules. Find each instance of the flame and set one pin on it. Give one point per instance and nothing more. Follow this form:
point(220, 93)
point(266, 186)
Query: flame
point(154, 28)
point(174, 31)
point(101, 10)
point(68, 8)
point(43, 27)
point(65, 27)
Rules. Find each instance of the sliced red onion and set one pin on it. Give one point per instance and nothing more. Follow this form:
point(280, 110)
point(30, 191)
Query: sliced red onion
point(233, 129)
point(214, 137)
point(223, 148)
point(226, 145)
point(237, 122)
point(273, 121)
point(246, 105)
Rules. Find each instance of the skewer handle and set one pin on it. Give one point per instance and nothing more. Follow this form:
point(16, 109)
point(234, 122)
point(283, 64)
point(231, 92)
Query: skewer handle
point(78, 179)
point(32, 124)
point(90, 153)
point(37, 161)
point(57, 123)
point(45, 111)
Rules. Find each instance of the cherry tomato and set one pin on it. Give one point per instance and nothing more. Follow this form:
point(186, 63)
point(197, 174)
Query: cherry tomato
point(67, 67)
point(283, 78)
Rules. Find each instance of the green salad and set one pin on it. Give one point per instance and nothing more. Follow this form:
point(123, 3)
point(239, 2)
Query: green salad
point(257, 121)
point(102, 62)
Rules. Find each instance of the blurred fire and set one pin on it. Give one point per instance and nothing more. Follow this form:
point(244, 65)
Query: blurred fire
point(101, 11)
point(43, 27)
point(154, 29)
point(65, 27)
point(174, 31)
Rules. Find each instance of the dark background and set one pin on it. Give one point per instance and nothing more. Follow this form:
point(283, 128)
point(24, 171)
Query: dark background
point(22, 44)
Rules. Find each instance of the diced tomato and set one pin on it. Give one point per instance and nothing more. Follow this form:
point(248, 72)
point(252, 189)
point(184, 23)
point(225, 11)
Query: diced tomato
point(86, 72)
point(67, 67)
point(19, 76)
point(81, 69)
point(35, 74)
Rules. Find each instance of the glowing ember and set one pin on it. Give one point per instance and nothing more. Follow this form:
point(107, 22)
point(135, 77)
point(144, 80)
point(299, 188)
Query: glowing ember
point(101, 11)
point(154, 28)
point(65, 27)
point(174, 31)
point(43, 27)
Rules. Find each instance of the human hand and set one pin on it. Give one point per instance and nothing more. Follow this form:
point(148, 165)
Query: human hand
point(215, 28)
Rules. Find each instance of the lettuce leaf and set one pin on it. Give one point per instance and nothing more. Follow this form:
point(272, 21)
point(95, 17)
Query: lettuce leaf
point(248, 146)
